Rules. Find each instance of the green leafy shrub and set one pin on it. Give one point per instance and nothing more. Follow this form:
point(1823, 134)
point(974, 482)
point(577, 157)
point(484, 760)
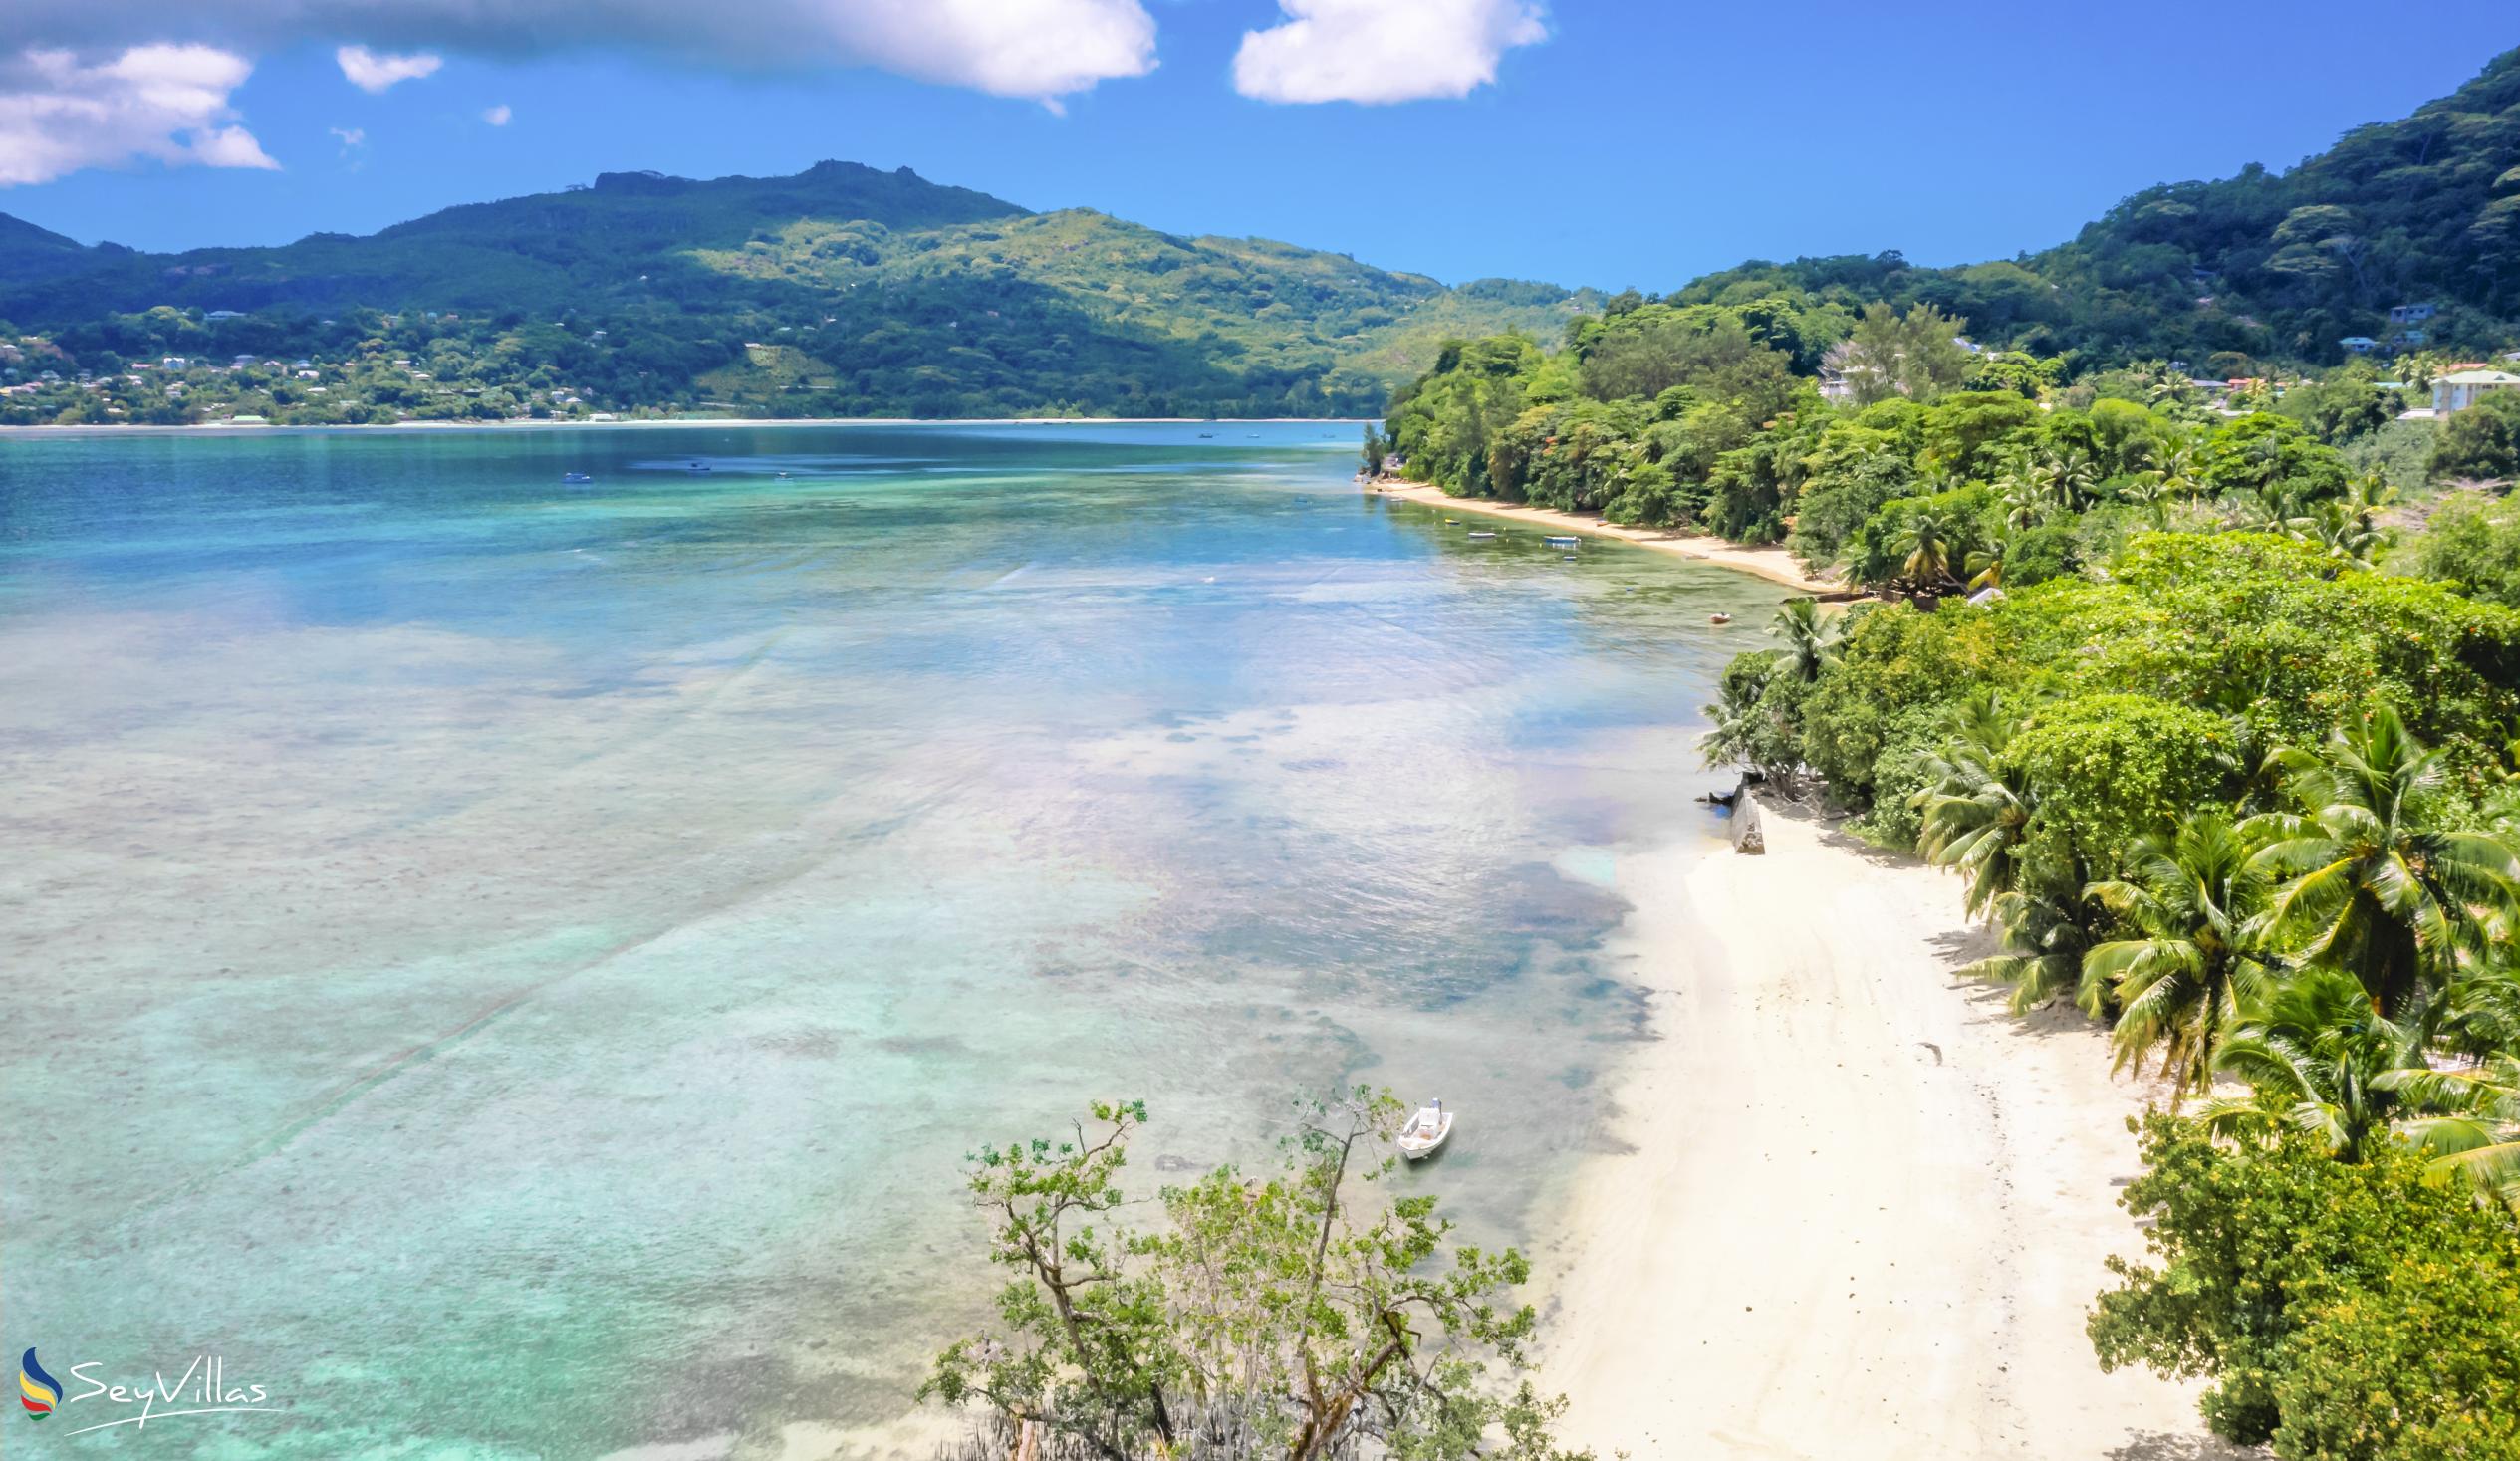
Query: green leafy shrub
point(2343, 1311)
point(2110, 768)
point(2480, 443)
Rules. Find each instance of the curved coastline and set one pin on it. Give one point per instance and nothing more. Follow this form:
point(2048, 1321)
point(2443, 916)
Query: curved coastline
point(1773, 564)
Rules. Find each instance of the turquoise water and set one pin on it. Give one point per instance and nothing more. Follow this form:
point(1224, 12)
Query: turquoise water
point(513, 968)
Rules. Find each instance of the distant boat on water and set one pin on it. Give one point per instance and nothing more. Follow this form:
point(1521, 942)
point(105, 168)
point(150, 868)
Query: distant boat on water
point(575, 477)
point(1719, 618)
point(1560, 540)
point(1475, 533)
point(1426, 1131)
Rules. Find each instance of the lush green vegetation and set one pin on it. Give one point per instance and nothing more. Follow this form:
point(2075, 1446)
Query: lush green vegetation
point(2225, 762)
point(1936, 428)
point(1937, 469)
point(2251, 802)
point(1291, 1313)
point(2350, 1309)
point(842, 290)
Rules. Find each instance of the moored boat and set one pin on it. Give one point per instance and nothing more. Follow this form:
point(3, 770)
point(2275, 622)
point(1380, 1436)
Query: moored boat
point(1426, 1131)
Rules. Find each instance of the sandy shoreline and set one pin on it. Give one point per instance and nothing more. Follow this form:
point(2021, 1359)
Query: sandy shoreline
point(1773, 564)
point(1858, 1210)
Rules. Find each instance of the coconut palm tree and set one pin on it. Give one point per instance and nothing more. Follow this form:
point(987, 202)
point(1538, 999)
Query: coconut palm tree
point(2335, 527)
point(2369, 495)
point(2193, 899)
point(1985, 566)
point(2314, 1056)
point(1976, 803)
point(2269, 506)
point(2147, 492)
point(2069, 481)
point(1746, 729)
point(1929, 542)
point(2473, 1131)
point(2177, 472)
point(2025, 506)
point(2043, 957)
point(1810, 636)
point(2369, 883)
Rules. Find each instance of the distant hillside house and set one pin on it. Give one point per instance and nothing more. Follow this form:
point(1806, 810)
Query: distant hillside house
point(2412, 314)
point(2463, 388)
point(2361, 344)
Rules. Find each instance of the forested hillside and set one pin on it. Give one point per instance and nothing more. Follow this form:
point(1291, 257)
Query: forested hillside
point(2262, 267)
point(841, 291)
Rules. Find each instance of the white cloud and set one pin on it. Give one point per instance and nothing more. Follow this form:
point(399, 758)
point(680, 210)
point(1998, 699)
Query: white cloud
point(168, 103)
point(499, 116)
point(1038, 50)
point(1376, 50)
point(351, 136)
point(373, 72)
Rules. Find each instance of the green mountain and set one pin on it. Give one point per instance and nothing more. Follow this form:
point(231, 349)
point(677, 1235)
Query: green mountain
point(841, 291)
point(2264, 266)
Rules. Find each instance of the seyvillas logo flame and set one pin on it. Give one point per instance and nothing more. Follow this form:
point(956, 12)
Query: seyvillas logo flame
point(37, 1391)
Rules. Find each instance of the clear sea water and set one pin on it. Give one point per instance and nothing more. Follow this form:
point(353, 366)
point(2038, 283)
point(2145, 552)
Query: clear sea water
point(513, 968)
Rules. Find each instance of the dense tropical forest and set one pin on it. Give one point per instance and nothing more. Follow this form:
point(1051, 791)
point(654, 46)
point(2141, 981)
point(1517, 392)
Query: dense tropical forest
point(841, 291)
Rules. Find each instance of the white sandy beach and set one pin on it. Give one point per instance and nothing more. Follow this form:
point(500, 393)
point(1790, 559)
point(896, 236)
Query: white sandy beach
point(1859, 1210)
point(1772, 563)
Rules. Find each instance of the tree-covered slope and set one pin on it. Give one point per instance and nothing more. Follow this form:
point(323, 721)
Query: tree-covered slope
point(839, 291)
point(2270, 266)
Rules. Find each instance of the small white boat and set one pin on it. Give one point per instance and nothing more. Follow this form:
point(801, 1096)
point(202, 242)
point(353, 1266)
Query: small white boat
point(1426, 1131)
point(1719, 618)
point(1481, 536)
point(1560, 540)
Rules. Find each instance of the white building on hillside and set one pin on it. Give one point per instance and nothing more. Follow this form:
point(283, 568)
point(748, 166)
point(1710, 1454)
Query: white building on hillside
point(2463, 388)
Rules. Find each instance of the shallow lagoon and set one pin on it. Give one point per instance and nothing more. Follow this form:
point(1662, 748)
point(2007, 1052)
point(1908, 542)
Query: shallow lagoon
point(513, 967)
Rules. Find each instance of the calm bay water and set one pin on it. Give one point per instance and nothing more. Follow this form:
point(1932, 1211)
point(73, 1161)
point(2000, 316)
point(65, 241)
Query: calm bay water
point(513, 968)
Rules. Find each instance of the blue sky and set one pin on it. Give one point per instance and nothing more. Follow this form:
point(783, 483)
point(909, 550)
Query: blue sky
point(1637, 144)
